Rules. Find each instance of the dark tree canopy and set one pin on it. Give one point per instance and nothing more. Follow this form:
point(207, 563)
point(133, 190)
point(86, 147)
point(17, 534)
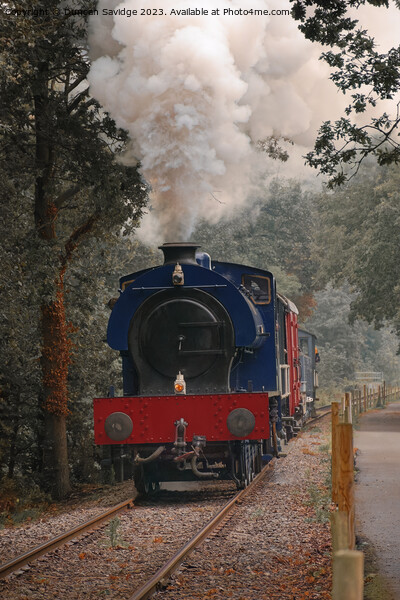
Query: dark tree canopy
point(358, 68)
point(61, 184)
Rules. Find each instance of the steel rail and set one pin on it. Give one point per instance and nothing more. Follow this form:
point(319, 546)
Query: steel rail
point(317, 418)
point(173, 563)
point(322, 414)
point(22, 560)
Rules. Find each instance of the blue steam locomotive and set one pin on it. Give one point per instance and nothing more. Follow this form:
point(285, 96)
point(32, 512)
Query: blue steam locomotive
point(212, 377)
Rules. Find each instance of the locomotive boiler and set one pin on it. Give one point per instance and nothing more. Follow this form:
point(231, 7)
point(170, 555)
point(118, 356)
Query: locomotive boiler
point(211, 371)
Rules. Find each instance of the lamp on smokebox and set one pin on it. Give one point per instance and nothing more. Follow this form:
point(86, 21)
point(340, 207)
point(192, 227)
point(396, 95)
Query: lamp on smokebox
point(177, 275)
point(180, 384)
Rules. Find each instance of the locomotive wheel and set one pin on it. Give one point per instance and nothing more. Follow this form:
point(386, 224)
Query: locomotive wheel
point(258, 461)
point(143, 483)
point(243, 466)
point(246, 462)
point(250, 462)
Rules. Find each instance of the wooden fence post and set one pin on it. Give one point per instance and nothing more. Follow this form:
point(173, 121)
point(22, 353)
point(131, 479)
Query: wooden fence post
point(365, 397)
point(339, 530)
point(347, 408)
point(348, 575)
point(345, 474)
point(335, 449)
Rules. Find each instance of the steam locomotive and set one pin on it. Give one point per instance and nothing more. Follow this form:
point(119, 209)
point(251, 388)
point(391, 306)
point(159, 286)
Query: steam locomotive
point(213, 377)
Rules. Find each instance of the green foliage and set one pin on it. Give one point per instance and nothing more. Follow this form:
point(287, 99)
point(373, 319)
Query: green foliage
point(338, 342)
point(113, 532)
point(357, 243)
point(20, 501)
point(19, 338)
point(324, 448)
point(320, 500)
point(342, 146)
point(273, 233)
point(345, 348)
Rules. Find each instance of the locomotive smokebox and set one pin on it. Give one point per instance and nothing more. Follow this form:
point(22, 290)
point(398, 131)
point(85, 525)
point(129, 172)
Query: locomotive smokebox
point(183, 253)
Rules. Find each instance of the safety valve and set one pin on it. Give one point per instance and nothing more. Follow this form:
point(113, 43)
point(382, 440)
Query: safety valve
point(177, 275)
point(180, 384)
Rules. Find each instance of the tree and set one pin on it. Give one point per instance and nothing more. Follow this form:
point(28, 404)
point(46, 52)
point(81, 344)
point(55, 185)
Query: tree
point(19, 348)
point(345, 348)
point(58, 148)
point(274, 234)
point(339, 344)
point(357, 66)
point(357, 242)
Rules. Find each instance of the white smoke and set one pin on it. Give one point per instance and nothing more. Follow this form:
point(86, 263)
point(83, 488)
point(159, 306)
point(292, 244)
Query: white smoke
point(196, 92)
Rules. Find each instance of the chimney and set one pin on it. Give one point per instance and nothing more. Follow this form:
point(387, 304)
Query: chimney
point(183, 253)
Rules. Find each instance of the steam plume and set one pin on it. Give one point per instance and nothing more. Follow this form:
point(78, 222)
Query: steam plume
point(195, 93)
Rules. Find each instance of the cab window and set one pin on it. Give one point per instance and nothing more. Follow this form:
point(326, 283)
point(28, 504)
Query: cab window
point(258, 287)
point(304, 346)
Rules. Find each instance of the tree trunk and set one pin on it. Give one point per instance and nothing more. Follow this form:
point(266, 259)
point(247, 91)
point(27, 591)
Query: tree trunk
point(13, 448)
point(55, 342)
point(56, 357)
point(57, 446)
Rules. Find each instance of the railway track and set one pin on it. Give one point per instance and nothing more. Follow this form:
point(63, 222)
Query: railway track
point(170, 566)
point(24, 559)
point(159, 578)
point(159, 581)
point(325, 410)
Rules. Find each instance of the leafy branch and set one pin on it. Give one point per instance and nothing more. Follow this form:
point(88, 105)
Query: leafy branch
point(376, 138)
point(356, 66)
